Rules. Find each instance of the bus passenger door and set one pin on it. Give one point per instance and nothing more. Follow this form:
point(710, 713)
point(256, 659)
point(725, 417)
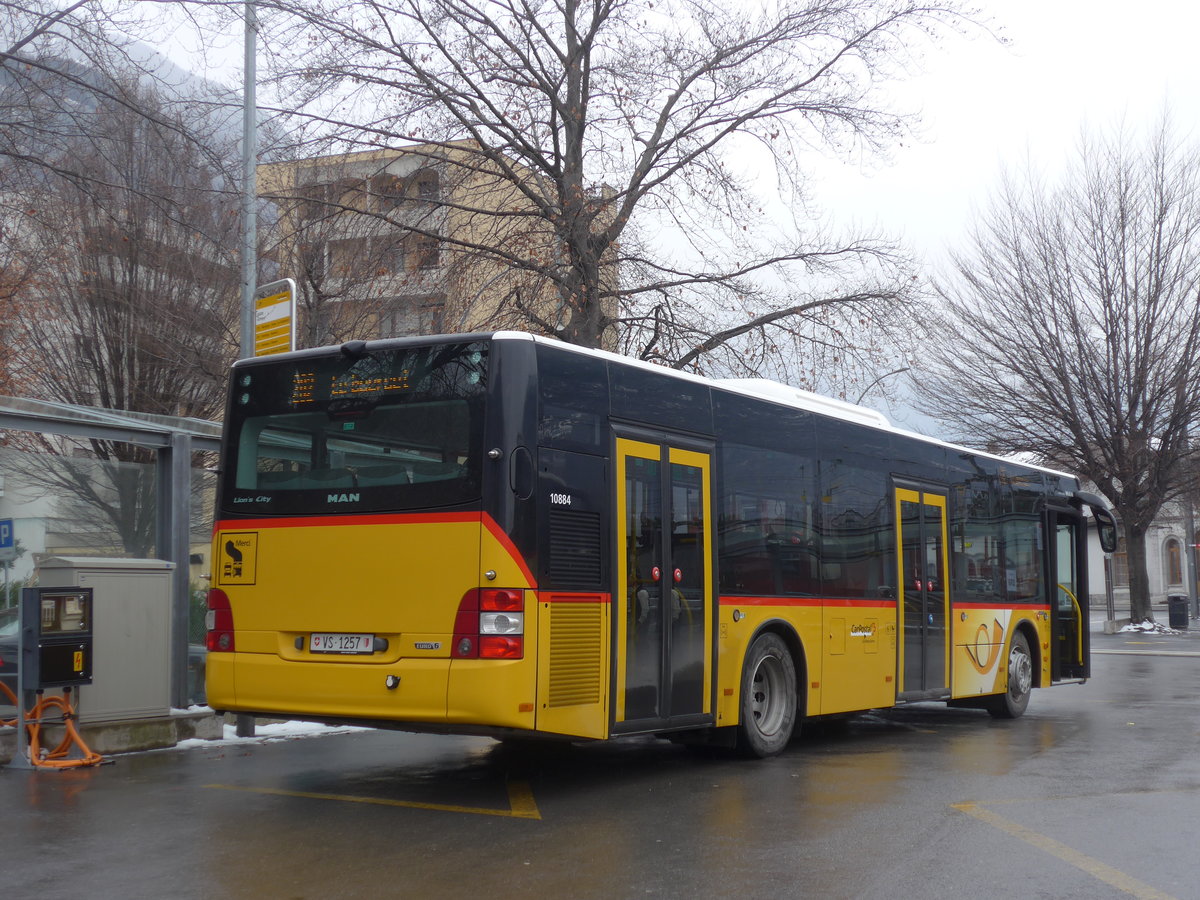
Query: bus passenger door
point(923, 593)
point(1069, 654)
point(663, 664)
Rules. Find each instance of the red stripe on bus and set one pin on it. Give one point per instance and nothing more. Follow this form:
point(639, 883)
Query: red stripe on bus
point(506, 542)
point(962, 604)
point(842, 603)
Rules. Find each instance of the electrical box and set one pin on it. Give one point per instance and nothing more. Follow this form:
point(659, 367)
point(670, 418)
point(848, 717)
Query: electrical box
point(131, 670)
point(56, 637)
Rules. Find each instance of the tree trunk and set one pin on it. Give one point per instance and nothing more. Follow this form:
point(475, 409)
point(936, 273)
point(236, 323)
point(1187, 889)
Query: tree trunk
point(1139, 574)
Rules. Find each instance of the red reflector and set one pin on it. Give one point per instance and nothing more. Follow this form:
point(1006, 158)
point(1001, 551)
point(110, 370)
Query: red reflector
point(501, 600)
point(492, 646)
point(220, 622)
point(466, 627)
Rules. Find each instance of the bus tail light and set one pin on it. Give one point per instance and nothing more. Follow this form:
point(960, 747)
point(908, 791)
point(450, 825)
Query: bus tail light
point(219, 622)
point(496, 647)
point(490, 625)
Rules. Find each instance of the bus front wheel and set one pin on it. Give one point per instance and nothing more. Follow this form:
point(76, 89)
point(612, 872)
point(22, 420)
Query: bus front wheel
point(768, 713)
point(1011, 704)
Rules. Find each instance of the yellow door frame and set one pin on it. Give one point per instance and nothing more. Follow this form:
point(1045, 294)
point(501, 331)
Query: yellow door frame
point(922, 498)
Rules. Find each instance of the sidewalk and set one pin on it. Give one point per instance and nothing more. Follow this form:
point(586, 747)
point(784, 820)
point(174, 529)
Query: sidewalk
point(1102, 626)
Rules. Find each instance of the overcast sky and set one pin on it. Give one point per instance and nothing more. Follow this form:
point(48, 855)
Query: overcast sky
point(1069, 63)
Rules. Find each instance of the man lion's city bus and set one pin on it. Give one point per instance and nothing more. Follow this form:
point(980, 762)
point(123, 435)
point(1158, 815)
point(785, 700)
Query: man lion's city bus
point(503, 535)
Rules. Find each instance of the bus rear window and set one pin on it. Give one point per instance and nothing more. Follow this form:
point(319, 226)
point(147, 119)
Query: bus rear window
point(396, 429)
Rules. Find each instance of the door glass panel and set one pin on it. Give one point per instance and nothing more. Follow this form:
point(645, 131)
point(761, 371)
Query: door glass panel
point(687, 607)
point(1066, 568)
point(935, 599)
point(644, 558)
point(1068, 614)
point(913, 571)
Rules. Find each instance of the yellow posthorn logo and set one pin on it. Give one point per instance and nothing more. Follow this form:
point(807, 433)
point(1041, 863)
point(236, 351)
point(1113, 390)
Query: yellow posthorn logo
point(984, 653)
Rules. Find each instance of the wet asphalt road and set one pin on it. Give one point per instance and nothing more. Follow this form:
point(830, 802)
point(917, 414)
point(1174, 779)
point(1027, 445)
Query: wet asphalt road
point(1095, 793)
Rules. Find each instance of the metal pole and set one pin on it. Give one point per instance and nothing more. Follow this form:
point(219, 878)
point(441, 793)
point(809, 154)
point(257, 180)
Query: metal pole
point(249, 185)
point(20, 759)
point(1190, 543)
point(174, 544)
point(1110, 600)
point(245, 724)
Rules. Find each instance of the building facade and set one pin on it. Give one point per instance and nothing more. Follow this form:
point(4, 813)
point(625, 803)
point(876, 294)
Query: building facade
point(427, 239)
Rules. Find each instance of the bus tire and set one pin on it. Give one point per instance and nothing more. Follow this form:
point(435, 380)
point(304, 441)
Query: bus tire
point(768, 703)
point(1011, 704)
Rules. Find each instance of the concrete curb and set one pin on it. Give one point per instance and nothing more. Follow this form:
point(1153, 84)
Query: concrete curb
point(129, 735)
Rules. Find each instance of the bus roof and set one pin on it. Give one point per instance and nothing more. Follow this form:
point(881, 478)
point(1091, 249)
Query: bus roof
point(777, 392)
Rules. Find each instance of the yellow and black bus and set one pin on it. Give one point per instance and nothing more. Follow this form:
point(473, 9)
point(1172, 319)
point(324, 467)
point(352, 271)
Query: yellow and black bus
point(501, 534)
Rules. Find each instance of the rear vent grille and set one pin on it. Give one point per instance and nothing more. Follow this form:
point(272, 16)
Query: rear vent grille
point(575, 549)
point(575, 654)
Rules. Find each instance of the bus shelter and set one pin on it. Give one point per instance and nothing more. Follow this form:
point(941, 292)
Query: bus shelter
point(173, 442)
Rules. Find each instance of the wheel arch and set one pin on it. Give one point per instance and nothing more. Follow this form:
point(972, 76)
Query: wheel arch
point(1029, 630)
point(785, 632)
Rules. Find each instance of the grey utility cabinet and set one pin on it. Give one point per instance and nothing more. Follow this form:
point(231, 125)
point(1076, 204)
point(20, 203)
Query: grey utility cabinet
point(131, 615)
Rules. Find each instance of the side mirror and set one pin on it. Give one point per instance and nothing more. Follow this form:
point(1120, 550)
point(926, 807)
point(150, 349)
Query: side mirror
point(1106, 529)
point(1106, 525)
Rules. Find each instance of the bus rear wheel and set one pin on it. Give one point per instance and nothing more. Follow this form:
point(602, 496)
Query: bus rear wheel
point(1011, 704)
point(768, 706)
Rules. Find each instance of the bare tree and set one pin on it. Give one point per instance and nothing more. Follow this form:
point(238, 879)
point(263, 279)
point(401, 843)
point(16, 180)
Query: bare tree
point(1070, 329)
point(64, 65)
point(132, 302)
point(632, 135)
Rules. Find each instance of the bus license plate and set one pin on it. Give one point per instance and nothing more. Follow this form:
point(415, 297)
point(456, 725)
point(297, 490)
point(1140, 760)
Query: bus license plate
point(329, 642)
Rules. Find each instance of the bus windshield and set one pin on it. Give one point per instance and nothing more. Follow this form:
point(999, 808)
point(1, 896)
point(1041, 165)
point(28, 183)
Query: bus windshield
point(395, 428)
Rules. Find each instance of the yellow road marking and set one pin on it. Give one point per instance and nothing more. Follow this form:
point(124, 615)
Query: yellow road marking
point(520, 800)
point(1082, 861)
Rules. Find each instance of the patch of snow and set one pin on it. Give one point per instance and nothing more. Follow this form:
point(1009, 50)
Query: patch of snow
point(1150, 628)
point(276, 731)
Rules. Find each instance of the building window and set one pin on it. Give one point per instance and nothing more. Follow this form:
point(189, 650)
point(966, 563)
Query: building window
point(424, 254)
point(346, 258)
point(388, 191)
point(312, 262)
point(412, 316)
point(428, 187)
point(1174, 559)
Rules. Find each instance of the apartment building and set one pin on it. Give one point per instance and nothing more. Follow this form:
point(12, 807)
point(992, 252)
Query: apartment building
point(425, 239)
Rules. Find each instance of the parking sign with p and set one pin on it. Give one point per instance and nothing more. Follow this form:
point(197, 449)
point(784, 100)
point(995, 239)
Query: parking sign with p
point(7, 543)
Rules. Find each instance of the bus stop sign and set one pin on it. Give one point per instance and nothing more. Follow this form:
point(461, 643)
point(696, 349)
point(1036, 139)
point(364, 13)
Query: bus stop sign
point(275, 317)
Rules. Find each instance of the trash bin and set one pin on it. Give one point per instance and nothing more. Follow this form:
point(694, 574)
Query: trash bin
point(1177, 611)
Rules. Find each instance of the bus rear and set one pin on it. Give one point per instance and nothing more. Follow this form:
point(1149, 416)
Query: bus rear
point(357, 573)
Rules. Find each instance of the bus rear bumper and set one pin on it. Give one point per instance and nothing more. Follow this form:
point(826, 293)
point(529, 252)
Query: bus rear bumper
point(496, 693)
